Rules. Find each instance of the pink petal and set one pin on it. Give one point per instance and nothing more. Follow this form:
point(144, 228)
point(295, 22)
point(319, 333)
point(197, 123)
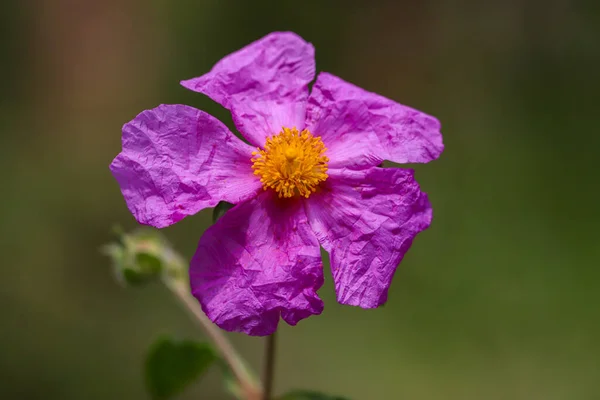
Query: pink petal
point(367, 221)
point(177, 160)
point(259, 261)
point(361, 129)
point(264, 85)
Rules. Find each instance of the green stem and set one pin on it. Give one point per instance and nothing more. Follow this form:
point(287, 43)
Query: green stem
point(249, 388)
point(268, 376)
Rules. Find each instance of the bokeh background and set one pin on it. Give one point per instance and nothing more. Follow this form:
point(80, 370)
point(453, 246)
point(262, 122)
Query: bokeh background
point(499, 299)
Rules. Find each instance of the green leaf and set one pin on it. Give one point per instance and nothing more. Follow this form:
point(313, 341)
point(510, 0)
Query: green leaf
point(220, 210)
point(172, 365)
point(308, 395)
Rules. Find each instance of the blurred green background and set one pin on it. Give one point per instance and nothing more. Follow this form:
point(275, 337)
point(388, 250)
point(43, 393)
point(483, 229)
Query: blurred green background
point(499, 299)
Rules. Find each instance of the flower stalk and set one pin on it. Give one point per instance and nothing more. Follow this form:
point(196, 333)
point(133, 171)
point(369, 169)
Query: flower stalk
point(268, 375)
point(174, 278)
point(145, 255)
point(249, 388)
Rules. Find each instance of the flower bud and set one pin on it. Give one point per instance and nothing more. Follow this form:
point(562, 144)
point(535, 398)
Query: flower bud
point(138, 257)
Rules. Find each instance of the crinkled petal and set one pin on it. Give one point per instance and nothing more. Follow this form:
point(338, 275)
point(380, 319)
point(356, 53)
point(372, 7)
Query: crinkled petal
point(260, 119)
point(367, 221)
point(261, 83)
point(177, 160)
point(361, 129)
point(259, 261)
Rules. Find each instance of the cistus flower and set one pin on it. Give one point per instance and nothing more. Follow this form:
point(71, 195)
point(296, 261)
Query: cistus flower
point(309, 178)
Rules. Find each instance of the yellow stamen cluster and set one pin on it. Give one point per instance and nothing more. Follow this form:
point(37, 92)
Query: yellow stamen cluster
point(291, 163)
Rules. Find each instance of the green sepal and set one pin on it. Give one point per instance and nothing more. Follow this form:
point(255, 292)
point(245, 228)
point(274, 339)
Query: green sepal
point(220, 210)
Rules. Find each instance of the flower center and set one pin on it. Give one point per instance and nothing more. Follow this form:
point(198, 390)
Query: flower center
point(291, 163)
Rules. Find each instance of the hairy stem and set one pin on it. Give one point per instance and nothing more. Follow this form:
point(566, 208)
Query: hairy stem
point(268, 376)
point(250, 389)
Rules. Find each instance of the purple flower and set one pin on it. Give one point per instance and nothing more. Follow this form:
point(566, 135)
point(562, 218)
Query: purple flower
point(309, 178)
